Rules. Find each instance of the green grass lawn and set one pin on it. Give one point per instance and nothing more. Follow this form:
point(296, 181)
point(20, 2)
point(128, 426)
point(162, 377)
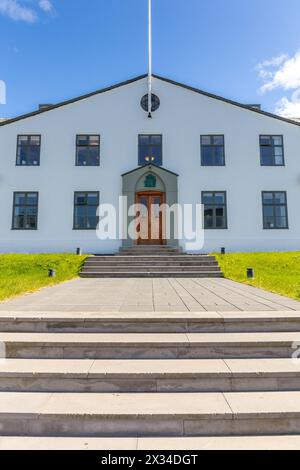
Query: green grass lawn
point(276, 272)
point(27, 273)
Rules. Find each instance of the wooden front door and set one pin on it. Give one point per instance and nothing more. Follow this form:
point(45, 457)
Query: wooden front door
point(150, 221)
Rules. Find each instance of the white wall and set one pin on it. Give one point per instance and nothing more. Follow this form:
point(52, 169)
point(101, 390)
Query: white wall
point(117, 116)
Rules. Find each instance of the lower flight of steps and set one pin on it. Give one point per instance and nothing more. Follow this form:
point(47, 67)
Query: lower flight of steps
point(204, 380)
point(151, 261)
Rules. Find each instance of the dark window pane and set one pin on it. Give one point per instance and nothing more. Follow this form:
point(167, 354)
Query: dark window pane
point(279, 198)
point(219, 198)
point(219, 156)
point(220, 211)
point(267, 155)
point(20, 198)
point(156, 155)
point(155, 140)
point(281, 222)
point(208, 218)
point(268, 198)
point(205, 139)
point(94, 139)
point(220, 222)
point(80, 217)
point(265, 140)
point(32, 199)
point(144, 139)
point(92, 198)
point(269, 211)
point(22, 139)
point(80, 198)
point(218, 140)
point(92, 219)
point(82, 155)
point(207, 198)
point(277, 140)
point(280, 211)
point(144, 155)
point(207, 156)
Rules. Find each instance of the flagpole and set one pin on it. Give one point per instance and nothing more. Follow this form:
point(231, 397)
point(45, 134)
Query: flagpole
point(149, 58)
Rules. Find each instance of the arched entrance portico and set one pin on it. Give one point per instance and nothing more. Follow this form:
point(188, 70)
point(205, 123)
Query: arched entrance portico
point(151, 186)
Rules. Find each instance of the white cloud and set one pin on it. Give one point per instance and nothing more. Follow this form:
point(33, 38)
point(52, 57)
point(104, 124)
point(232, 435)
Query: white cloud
point(289, 108)
point(282, 72)
point(46, 5)
point(16, 11)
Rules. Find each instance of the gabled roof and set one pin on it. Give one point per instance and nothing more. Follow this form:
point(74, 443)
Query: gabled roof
point(73, 100)
point(150, 167)
point(140, 77)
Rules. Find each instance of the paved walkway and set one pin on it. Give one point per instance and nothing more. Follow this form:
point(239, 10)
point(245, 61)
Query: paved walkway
point(148, 295)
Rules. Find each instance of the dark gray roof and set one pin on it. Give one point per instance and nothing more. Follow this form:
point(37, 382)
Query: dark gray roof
point(149, 166)
point(167, 80)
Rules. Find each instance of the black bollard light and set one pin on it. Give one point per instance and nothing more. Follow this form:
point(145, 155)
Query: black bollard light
point(250, 273)
point(78, 251)
point(223, 251)
point(52, 273)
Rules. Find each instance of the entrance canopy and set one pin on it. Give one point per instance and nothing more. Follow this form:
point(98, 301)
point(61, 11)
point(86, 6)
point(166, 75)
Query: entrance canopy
point(151, 178)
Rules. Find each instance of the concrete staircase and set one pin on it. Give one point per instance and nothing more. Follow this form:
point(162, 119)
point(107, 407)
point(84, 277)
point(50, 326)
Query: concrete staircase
point(150, 380)
point(151, 261)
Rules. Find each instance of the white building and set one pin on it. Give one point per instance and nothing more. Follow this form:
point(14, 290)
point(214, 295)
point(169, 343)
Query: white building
point(58, 162)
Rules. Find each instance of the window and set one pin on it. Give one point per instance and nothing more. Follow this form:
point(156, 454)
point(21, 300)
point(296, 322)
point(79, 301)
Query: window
point(212, 150)
point(275, 210)
point(88, 150)
point(85, 210)
point(271, 150)
point(25, 211)
point(215, 211)
point(150, 149)
point(28, 150)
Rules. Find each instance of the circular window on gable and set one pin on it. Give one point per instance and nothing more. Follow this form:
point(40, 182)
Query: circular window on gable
point(155, 104)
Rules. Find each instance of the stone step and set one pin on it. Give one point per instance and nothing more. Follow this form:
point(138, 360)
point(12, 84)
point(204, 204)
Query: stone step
point(151, 258)
point(146, 269)
point(149, 376)
point(149, 262)
point(147, 249)
point(149, 346)
point(151, 248)
point(151, 274)
point(149, 415)
point(152, 322)
point(212, 443)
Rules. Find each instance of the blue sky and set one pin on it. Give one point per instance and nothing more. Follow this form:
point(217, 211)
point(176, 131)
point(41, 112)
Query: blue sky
point(51, 50)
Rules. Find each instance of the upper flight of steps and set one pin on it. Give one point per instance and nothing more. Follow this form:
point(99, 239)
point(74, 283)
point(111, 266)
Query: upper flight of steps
point(151, 261)
point(154, 380)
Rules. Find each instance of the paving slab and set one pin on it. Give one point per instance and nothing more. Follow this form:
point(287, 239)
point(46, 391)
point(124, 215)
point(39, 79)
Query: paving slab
point(222, 443)
point(67, 443)
point(269, 404)
point(263, 367)
point(125, 295)
point(109, 404)
point(183, 443)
